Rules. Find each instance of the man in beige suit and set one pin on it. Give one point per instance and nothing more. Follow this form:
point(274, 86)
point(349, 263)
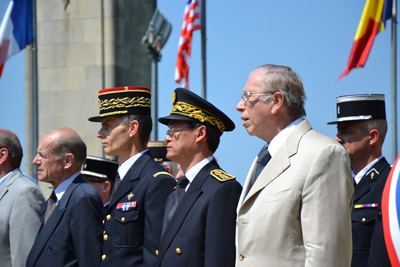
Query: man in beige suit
point(296, 211)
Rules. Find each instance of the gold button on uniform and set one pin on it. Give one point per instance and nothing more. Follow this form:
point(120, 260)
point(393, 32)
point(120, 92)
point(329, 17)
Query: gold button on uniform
point(123, 219)
point(104, 257)
point(363, 219)
point(179, 251)
point(241, 257)
point(157, 252)
point(105, 237)
point(103, 221)
point(108, 217)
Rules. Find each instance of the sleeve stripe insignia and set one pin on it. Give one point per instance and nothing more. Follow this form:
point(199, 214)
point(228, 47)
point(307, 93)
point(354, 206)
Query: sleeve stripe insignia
point(159, 173)
point(221, 176)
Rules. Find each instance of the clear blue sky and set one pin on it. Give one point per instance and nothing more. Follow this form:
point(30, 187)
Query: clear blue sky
point(314, 39)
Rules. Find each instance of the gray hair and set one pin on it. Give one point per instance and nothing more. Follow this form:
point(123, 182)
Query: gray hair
point(283, 79)
point(73, 145)
point(174, 167)
point(379, 125)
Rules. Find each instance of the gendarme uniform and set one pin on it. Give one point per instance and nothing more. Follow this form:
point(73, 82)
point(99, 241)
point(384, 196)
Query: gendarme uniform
point(133, 223)
point(368, 241)
point(201, 232)
point(158, 150)
point(100, 169)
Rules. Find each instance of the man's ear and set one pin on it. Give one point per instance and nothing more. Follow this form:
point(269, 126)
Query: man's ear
point(201, 133)
point(168, 168)
point(3, 155)
point(106, 187)
point(278, 100)
point(133, 128)
point(69, 160)
point(373, 136)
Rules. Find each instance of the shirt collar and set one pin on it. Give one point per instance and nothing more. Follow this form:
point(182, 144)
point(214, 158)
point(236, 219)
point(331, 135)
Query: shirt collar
point(360, 174)
point(281, 137)
point(191, 174)
point(124, 168)
point(61, 188)
point(5, 177)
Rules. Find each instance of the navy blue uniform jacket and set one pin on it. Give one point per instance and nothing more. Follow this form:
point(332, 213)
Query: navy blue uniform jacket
point(132, 234)
point(368, 242)
point(202, 230)
point(72, 235)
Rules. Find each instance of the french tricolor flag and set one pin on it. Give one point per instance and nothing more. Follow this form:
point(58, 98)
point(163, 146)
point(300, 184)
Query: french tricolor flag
point(15, 29)
point(391, 214)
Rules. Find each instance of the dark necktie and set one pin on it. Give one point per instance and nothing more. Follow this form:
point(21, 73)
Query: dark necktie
point(263, 158)
point(51, 205)
point(179, 192)
point(117, 181)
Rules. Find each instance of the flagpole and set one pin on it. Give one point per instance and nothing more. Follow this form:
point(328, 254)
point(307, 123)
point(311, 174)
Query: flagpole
point(203, 50)
point(394, 81)
point(35, 105)
point(31, 100)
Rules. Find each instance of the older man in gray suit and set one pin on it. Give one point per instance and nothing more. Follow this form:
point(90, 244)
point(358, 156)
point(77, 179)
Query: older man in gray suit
point(20, 203)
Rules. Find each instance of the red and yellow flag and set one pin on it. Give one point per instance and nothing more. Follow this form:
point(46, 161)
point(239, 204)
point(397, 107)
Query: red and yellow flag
point(373, 20)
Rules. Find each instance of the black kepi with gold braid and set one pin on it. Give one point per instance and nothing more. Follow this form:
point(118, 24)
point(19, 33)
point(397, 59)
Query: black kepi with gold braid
point(188, 106)
point(123, 101)
point(158, 150)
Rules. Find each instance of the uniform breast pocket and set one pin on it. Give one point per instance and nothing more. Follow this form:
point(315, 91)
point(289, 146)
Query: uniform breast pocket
point(284, 194)
point(363, 222)
point(128, 225)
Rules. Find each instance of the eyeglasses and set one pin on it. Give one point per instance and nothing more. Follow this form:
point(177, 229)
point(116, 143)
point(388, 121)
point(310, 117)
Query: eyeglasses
point(173, 131)
point(246, 95)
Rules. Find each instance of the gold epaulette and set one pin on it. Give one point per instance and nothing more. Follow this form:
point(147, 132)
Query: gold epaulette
point(221, 176)
point(166, 173)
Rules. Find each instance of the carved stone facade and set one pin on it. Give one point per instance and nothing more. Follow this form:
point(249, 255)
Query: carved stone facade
point(85, 46)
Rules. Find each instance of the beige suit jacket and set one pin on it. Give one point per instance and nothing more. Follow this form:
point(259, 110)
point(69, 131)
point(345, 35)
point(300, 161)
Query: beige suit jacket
point(298, 211)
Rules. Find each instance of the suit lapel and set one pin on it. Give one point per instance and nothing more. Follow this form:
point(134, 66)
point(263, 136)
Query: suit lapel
point(132, 175)
point(361, 188)
point(10, 180)
point(367, 181)
point(47, 230)
point(248, 183)
point(277, 165)
point(188, 200)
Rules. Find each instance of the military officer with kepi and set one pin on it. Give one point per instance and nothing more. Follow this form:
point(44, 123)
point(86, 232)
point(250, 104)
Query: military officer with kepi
point(158, 150)
point(133, 222)
point(361, 124)
point(200, 215)
point(101, 174)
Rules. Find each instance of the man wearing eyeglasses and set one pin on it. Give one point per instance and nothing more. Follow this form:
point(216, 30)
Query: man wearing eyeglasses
point(133, 223)
point(295, 206)
point(200, 215)
point(101, 173)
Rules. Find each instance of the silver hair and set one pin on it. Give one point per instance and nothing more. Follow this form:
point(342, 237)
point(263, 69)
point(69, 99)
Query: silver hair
point(283, 79)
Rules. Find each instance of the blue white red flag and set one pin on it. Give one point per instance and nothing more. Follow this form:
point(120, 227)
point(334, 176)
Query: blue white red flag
point(391, 214)
point(191, 22)
point(15, 29)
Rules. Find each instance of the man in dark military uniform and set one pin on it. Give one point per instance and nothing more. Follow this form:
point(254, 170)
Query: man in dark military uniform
point(101, 174)
point(362, 126)
point(200, 215)
point(132, 228)
point(158, 150)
